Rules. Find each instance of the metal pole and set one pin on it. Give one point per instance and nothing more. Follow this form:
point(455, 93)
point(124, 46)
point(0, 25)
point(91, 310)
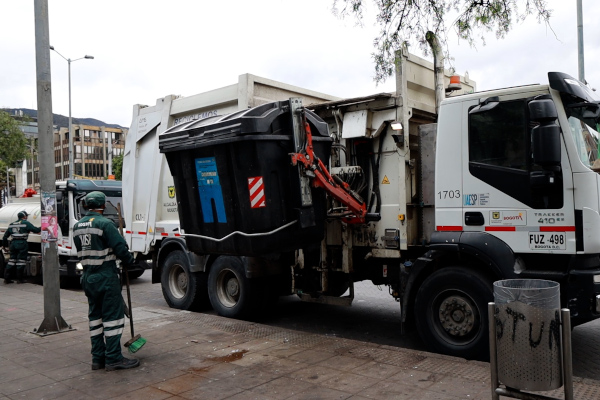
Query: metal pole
point(104, 167)
point(31, 146)
point(70, 127)
point(580, 41)
point(7, 185)
point(83, 149)
point(493, 354)
point(565, 314)
point(53, 321)
point(62, 161)
point(110, 170)
point(71, 155)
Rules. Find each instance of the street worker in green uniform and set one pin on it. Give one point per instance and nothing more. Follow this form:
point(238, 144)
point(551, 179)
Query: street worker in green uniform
point(99, 244)
point(19, 230)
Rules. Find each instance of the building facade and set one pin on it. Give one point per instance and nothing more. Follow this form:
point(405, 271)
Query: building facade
point(94, 148)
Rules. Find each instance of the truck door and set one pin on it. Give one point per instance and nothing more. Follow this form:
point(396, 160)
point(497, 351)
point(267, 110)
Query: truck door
point(508, 192)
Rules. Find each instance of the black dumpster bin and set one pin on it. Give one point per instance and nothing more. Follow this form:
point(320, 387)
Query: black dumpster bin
point(237, 191)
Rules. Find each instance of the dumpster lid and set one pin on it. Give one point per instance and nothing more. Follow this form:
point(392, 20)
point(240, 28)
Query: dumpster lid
point(270, 121)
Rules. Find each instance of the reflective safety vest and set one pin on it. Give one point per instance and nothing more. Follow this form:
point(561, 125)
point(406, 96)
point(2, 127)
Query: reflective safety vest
point(99, 243)
point(19, 230)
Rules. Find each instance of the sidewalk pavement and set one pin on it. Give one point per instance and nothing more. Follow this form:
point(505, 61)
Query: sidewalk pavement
point(199, 356)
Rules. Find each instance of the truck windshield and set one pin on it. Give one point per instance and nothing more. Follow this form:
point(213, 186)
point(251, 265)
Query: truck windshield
point(586, 141)
point(582, 106)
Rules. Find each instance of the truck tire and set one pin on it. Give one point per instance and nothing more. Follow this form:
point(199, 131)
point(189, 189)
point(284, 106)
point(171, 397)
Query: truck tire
point(231, 293)
point(181, 288)
point(451, 312)
point(2, 262)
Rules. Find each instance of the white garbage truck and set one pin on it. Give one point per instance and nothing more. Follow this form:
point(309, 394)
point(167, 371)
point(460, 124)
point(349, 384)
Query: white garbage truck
point(305, 196)
point(69, 209)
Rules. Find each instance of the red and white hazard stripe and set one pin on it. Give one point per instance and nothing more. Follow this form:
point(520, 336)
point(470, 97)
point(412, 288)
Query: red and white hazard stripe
point(256, 187)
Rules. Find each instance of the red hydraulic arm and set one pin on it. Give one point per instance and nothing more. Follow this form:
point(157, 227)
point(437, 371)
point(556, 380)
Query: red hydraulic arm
point(333, 185)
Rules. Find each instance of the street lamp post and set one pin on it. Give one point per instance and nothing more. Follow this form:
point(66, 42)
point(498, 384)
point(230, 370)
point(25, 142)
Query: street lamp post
point(71, 156)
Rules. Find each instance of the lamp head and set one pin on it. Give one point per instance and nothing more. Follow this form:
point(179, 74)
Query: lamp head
point(396, 126)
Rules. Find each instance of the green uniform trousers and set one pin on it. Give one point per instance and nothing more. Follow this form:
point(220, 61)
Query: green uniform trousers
point(106, 313)
point(18, 254)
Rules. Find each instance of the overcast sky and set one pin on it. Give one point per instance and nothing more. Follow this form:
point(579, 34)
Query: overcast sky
point(144, 50)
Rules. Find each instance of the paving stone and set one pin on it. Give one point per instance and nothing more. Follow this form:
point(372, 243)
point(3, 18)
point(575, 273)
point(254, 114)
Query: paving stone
point(15, 387)
point(315, 373)
point(213, 389)
point(375, 369)
point(343, 363)
point(351, 383)
point(181, 383)
point(282, 388)
point(391, 390)
point(147, 393)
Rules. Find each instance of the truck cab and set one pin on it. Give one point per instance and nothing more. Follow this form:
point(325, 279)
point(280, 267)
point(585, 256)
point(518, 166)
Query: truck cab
point(526, 187)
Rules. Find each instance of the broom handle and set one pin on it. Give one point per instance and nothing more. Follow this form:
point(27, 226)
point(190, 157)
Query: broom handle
point(124, 272)
point(129, 301)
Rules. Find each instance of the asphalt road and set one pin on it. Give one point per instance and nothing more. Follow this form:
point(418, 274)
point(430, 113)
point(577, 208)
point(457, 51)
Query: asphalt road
point(373, 317)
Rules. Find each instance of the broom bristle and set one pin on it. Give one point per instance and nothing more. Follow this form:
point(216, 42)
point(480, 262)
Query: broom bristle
point(135, 346)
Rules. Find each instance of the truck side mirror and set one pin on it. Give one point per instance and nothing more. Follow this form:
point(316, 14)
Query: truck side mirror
point(545, 138)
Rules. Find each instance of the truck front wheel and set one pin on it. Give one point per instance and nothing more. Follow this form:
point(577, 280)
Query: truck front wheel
point(231, 293)
point(451, 312)
point(181, 288)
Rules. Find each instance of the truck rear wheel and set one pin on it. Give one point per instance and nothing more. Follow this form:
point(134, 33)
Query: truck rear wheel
point(231, 293)
point(451, 312)
point(181, 288)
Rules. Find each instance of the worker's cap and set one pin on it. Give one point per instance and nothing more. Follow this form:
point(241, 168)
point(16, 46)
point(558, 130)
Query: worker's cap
point(95, 199)
point(22, 214)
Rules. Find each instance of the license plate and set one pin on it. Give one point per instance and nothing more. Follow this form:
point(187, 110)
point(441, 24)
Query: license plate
point(547, 240)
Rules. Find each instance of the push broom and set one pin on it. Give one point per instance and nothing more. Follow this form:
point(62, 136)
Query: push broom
point(137, 341)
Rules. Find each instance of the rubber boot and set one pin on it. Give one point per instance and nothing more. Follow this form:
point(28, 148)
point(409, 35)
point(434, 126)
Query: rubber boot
point(7, 274)
point(20, 275)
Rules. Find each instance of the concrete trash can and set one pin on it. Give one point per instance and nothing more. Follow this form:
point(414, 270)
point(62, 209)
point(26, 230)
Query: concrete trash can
point(528, 334)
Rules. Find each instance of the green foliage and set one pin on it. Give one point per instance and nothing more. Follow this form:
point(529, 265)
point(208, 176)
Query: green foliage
point(405, 22)
point(13, 144)
point(117, 167)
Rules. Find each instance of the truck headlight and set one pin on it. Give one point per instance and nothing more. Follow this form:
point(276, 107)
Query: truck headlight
point(79, 267)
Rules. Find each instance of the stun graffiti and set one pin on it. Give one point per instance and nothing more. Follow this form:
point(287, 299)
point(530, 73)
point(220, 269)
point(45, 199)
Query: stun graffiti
point(517, 317)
